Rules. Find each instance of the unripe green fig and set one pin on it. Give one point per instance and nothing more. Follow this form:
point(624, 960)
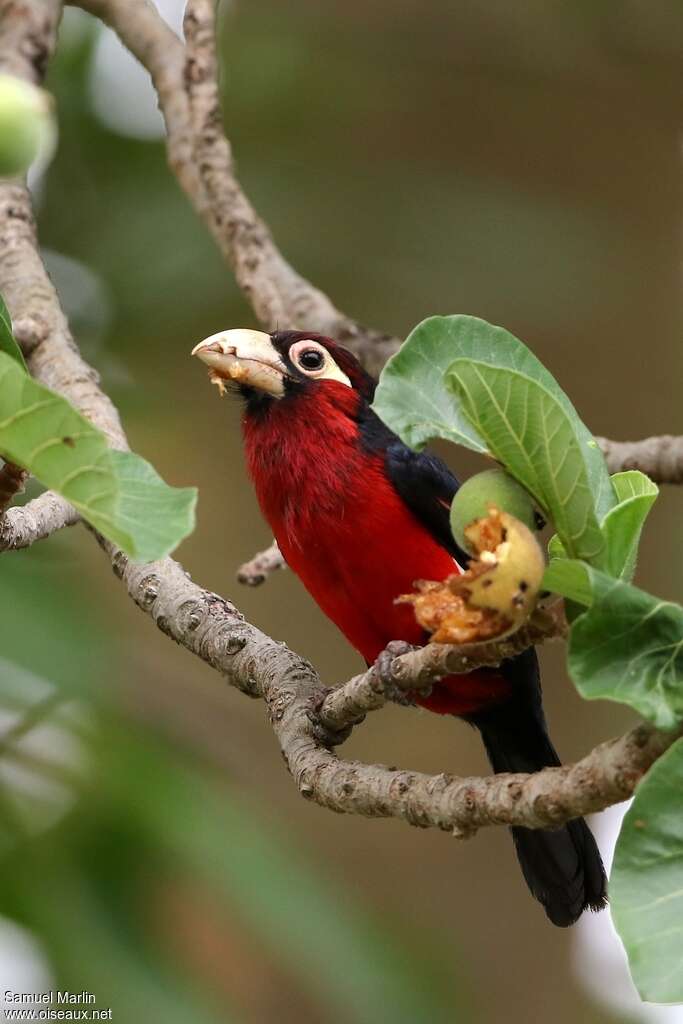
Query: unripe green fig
point(492, 487)
point(26, 124)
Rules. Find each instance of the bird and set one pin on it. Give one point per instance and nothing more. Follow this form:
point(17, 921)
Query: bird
point(359, 516)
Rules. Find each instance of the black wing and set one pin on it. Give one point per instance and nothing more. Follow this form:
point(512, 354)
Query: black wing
point(423, 481)
point(427, 486)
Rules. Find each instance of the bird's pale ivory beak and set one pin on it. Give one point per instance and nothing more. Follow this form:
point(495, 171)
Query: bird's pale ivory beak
point(246, 357)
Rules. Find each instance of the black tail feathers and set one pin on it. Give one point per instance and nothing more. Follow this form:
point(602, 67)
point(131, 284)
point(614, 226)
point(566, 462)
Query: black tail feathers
point(563, 870)
point(562, 867)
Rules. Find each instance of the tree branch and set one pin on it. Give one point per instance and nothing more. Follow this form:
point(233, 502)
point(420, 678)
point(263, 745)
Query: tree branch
point(204, 623)
point(546, 799)
point(212, 628)
point(41, 329)
point(36, 520)
point(200, 157)
point(39, 324)
point(348, 704)
point(660, 458)
point(28, 36)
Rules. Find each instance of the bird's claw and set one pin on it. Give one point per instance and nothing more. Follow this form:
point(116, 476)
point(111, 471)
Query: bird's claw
point(383, 669)
point(323, 735)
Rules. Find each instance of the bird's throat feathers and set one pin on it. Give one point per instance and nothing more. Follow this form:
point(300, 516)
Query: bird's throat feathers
point(311, 459)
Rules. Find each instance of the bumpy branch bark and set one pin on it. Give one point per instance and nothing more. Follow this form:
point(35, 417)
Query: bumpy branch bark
point(206, 624)
point(36, 520)
point(27, 40)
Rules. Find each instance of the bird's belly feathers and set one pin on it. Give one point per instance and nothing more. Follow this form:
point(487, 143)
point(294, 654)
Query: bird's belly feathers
point(358, 592)
point(357, 555)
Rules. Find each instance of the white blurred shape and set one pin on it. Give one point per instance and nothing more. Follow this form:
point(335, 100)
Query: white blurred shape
point(33, 779)
point(83, 294)
point(88, 305)
point(120, 90)
point(72, 30)
point(37, 170)
point(599, 957)
point(23, 965)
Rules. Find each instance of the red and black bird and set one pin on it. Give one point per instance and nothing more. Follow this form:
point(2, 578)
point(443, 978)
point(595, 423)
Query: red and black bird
point(359, 516)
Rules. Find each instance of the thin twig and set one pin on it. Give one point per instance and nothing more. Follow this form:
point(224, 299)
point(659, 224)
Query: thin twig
point(438, 660)
point(261, 566)
point(37, 520)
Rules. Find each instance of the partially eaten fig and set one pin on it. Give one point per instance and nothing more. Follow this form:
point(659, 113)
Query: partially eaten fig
point(495, 595)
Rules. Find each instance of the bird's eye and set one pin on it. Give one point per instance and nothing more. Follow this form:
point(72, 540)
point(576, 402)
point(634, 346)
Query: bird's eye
point(311, 359)
point(314, 360)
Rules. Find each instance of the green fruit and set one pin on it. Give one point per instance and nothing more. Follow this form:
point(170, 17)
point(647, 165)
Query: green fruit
point(493, 487)
point(26, 125)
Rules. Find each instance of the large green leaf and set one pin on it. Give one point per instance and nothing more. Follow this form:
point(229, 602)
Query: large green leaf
point(7, 342)
point(529, 430)
point(646, 885)
point(118, 492)
point(412, 397)
point(623, 524)
point(627, 646)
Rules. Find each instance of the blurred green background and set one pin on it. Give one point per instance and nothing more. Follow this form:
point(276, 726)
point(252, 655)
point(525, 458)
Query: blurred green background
point(517, 162)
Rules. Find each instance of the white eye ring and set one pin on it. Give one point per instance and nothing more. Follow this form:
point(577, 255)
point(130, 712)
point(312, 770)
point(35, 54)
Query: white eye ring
point(327, 368)
point(318, 358)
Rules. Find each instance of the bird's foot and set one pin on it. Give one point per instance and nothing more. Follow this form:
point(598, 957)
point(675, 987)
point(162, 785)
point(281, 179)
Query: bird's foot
point(324, 735)
point(383, 669)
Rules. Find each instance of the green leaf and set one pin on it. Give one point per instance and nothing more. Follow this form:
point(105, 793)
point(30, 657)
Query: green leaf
point(120, 494)
point(413, 399)
point(155, 516)
point(7, 342)
point(628, 645)
point(568, 577)
point(621, 527)
point(623, 524)
point(646, 885)
point(529, 430)
point(555, 549)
